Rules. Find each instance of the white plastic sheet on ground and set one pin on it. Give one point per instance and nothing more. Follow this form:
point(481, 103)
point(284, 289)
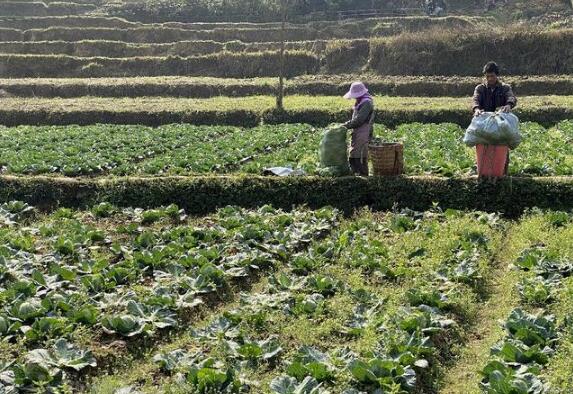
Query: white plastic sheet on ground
point(283, 171)
point(492, 128)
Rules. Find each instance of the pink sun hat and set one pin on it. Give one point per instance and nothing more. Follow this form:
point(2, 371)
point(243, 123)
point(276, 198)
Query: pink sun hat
point(357, 90)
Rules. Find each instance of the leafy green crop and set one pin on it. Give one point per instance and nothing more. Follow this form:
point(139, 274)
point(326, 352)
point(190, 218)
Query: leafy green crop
point(62, 355)
point(188, 150)
point(139, 279)
point(289, 385)
point(265, 300)
point(311, 362)
point(517, 361)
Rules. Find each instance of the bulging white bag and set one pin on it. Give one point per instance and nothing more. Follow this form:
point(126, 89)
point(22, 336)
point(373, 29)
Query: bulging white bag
point(493, 128)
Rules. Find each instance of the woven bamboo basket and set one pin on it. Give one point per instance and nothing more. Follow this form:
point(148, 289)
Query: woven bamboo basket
point(387, 158)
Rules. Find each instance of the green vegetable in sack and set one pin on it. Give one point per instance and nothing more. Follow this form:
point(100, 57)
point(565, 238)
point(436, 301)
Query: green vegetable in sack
point(333, 152)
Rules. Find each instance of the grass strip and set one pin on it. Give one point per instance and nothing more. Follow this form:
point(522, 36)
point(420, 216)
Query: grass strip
point(250, 111)
point(540, 254)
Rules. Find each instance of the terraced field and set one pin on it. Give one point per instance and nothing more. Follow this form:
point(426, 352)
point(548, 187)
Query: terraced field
point(96, 46)
point(84, 46)
point(145, 249)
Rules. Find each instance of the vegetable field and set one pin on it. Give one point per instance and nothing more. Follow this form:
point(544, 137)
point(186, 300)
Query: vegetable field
point(431, 149)
point(275, 302)
point(146, 247)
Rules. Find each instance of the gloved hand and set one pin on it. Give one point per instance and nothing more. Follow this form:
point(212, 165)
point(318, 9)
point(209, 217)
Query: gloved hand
point(505, 109)
point(478, 112)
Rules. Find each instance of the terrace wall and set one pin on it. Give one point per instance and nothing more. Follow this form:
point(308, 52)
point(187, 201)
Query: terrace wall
point(223, 64)
point(453, 53)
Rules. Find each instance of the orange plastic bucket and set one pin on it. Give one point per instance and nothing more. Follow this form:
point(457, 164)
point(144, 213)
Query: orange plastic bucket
point(491, 160)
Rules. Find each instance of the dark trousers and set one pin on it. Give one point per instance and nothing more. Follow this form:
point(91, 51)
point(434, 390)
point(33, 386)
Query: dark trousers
point(359, 166)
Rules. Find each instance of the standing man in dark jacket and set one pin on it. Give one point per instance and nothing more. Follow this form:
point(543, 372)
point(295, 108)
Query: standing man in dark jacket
point(493, 94)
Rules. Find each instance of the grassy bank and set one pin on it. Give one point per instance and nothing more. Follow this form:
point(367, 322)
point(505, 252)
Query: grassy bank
point(222, 64)
point(316, 85)
point(250, 111)
point(517, 50)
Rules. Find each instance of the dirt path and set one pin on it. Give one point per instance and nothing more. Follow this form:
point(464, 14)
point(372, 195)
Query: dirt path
point(463, 376)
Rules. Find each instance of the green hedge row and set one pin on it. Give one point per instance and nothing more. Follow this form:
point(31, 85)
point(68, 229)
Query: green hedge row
point(224, 64)
point(314, 86)
point(250, 118)
point(200, 195)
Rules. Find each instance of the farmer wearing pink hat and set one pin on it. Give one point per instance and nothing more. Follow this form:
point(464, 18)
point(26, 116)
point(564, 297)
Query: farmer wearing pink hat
point(362, 127)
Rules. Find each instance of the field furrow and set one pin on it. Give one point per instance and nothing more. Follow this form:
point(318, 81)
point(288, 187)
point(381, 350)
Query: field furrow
point(539, 251)
point(498, 299)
